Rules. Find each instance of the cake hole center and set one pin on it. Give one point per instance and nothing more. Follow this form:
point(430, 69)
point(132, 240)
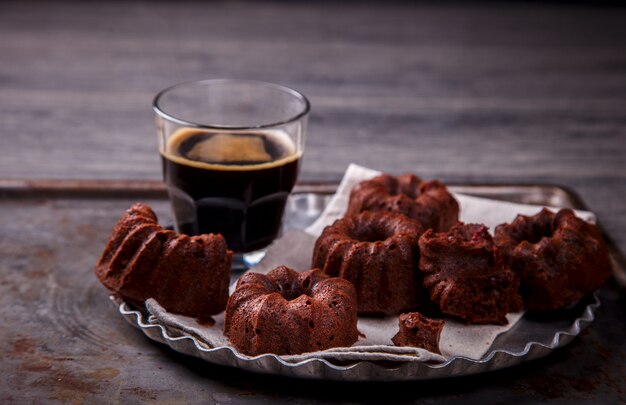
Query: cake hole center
point(291, 292)
point(370, 235)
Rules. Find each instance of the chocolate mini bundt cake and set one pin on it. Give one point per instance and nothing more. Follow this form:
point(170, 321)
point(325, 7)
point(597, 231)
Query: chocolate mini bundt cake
point(186, 275)
point(558, 257)
point(464, 277)
point(428, 202)
point(378, 253)
point(285, 312)
point(419, 331)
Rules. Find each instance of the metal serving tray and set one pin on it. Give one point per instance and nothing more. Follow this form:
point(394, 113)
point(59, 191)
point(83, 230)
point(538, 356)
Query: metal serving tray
point(91, 207)
point(531, 338)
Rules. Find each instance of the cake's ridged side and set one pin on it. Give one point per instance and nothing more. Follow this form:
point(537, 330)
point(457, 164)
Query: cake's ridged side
point(336, 251)
point(464, 278)
point(365, 196)
point(334, 305)
point(256, 285)
point(192, 276)
point(186, 275)
point(137, 214)
point(311, 312)
point(558, 257)
point(354, 266)
point(220, 261)
point(134, 284)
point(375, 276)
point(409, 294)
point(242, 326)
point(443, 207)
point(322, 257)
point(117, 268)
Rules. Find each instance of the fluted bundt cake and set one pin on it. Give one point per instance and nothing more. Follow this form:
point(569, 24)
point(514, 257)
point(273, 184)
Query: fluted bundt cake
point(285, 312)
point(558, 257)
point(463, 276)
point(378, 253)
point(419, 331)
point(428, 202)
point(186, 275)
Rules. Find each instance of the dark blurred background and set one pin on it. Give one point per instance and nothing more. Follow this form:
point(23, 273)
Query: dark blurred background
point(463, 91)
point(447, 88)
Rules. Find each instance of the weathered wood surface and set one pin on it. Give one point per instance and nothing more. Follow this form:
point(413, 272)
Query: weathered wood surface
point(463, 92)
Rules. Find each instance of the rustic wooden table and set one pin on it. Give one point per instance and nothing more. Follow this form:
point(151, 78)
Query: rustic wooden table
point(464, 92)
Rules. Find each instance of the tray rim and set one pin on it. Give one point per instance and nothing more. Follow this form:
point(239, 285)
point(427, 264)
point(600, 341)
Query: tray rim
point(464, 366)
point(156, 188)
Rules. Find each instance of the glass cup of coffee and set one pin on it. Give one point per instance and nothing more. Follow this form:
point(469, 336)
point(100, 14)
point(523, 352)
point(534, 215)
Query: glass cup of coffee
point(231, 151)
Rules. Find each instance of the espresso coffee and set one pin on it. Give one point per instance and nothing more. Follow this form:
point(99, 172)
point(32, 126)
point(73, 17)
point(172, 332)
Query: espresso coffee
point(232, 183)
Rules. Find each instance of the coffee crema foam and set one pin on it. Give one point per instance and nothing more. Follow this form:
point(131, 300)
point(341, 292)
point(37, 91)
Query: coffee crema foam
point(230, 150)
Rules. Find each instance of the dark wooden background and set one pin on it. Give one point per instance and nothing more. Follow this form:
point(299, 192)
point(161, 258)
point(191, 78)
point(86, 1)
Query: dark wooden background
point(466, 92)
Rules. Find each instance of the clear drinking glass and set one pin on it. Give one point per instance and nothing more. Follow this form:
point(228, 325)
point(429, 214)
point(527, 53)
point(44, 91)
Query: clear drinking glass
point(231, 152)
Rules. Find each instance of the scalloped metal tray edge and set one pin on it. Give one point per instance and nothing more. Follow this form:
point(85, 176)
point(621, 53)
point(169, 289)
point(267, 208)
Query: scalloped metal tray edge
point(360, 370)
